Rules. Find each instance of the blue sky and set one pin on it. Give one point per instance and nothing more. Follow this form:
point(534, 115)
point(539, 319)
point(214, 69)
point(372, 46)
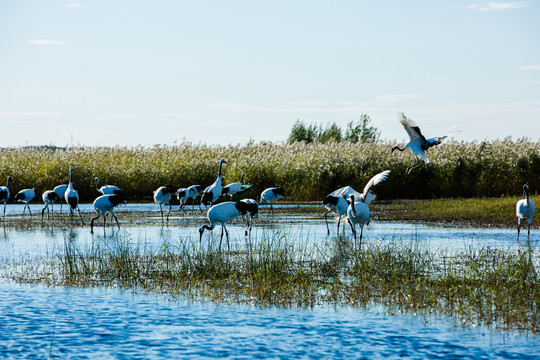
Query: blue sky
point(224, 72)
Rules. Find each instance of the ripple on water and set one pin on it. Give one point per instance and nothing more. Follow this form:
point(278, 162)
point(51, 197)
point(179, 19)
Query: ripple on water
point(94, 323)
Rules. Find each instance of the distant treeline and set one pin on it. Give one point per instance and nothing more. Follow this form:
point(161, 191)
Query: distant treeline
point(356, 131)
point(307, 171)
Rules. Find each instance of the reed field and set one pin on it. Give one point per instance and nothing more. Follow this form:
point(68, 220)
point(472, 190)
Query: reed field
point(307, 172)
point(498, 288)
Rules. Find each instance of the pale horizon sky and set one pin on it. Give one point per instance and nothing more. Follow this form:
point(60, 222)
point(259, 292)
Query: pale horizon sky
point(158, 72)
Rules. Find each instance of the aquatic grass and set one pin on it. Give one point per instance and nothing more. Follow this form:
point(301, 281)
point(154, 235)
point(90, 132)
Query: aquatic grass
point(307, 172)
point(499, 288)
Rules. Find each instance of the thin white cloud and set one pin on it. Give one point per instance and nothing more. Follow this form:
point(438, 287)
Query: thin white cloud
point(46, 42)
point(72, 5)
point(498, 6)
point(399, 97)
point(19, 115)
point(310, 103)
point(321, 107)
point(183, 116)
point(220, 124)
point(530, 67)
point(122, 116)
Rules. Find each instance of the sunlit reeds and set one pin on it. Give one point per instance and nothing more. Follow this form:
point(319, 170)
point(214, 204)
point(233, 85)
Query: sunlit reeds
point(306, 171)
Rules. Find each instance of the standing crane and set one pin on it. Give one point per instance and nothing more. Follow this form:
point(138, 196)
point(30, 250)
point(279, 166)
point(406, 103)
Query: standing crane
point(162, 196)
point(72, 197)
point(49, 198)
point(525, 210)
point(4, 194)
point(233, 188)
point(358, 211)
point(26, 196)
point(212, 192)
point(223, 213)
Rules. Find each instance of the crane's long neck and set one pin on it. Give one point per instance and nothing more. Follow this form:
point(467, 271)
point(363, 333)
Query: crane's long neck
point(526, 196)
point(242, 179)
point(71, 178)
point(220, 165)
point(97, 183)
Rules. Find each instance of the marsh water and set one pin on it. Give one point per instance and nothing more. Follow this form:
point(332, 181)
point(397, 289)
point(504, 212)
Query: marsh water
point(58, 322)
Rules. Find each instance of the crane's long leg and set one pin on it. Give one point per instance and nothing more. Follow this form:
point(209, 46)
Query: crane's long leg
point(115, 218)
point(4, 218)
point(518, 226)
point(43, 211)
point(248, 227)
point(80, 215)
point(29, 209)
point(361, 233)
point(92, 222)
point(326, 221)
point(161, 209)
point(221, 238)
point(353, 231)
point(529, 233)
point(418, 163)
point(227, 233)
point(169, 213)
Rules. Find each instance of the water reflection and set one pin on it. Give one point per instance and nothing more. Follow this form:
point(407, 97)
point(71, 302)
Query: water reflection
point(304, 230)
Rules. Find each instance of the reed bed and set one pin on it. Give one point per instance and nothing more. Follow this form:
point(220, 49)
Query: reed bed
point(499, 288)
point(307, 172)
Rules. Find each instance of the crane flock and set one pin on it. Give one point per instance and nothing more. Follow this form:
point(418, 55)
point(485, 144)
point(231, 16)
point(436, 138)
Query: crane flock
point(345, 202)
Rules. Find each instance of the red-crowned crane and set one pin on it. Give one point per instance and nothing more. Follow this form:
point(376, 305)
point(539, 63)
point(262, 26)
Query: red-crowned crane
point(418, 143)
point(72, 197)
point(337, 201)
point(212, 192)
point(49, 198)
point(223, 213)
point(358, 211)
point(252, 210)
point(194, 191)
point(337, 204)
point(183, 195)
point(108, 189)
point(525, 210)
point(26, 196)
point(60, 190)
point(233, 188)
point(162, 196)
point(270, 195)
point(4, 194)
point(106, 204)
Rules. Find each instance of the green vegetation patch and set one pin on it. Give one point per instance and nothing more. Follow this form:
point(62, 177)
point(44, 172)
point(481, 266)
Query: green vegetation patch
point(498, 288)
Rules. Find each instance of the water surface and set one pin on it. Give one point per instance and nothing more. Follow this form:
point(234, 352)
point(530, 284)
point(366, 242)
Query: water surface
point(38, 322)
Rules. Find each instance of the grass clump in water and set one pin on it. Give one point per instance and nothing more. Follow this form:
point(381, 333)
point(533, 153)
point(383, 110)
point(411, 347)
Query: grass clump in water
point(495, 287)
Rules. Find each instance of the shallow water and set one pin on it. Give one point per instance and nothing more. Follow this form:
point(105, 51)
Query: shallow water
point(68, 323)
point(299, 228)
point(109, 323)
